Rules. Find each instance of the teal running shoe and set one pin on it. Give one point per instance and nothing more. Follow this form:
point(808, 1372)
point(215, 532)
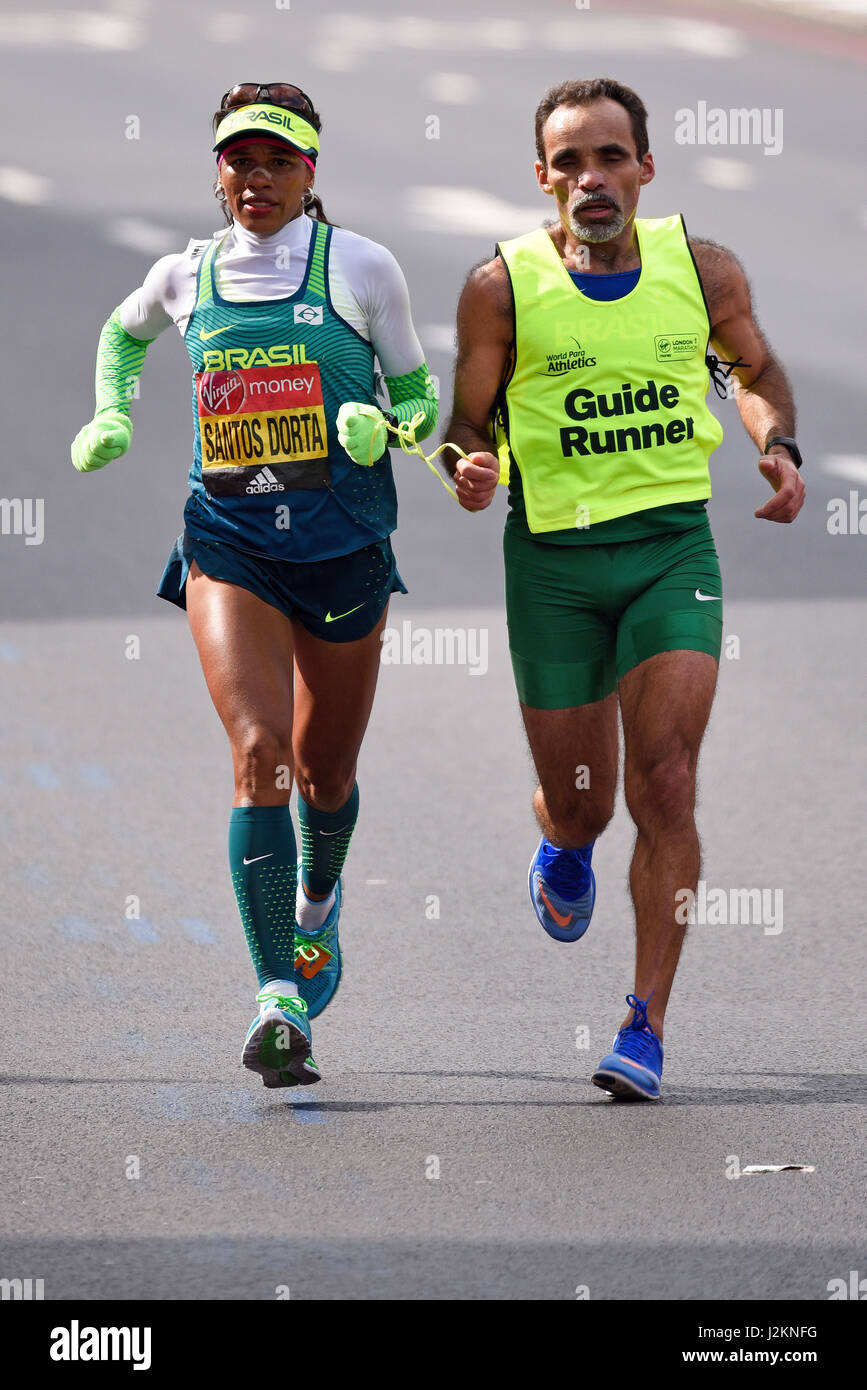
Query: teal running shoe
point(278, 1043)
point(633, 1068)
point(318, 959)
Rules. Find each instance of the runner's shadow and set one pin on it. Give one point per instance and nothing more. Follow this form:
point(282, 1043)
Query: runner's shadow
point(112, 1081)
point(830, 1088)
point(814, 1089)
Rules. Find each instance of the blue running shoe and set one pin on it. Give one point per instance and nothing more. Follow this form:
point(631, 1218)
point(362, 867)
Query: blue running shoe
point(318, 960)
point(633, 1068)
point(562, 889)
point(278, 1043)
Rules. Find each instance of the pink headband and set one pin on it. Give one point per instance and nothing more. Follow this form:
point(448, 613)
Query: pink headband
point(266, 140)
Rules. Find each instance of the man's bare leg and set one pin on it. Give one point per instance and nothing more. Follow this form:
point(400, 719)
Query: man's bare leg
point(665, 704)
point(562, 741)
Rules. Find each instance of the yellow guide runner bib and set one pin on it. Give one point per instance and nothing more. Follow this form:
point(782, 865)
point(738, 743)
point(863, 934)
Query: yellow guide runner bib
point(604, 413)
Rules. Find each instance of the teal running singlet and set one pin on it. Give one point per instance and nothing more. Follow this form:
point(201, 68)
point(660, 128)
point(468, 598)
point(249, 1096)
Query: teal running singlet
point(268, 473)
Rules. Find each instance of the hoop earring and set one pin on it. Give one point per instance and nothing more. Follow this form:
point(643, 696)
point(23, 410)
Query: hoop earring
point(307, 197)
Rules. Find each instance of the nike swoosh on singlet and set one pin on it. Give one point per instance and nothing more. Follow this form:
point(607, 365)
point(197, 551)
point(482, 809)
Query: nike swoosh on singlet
point(332, 618)
point(558, 916)
point(706, 597)
point(259, 856)
point(205, 333)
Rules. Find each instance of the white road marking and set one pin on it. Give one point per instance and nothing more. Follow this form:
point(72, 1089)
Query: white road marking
point(345, 41)
point(438, 337)
point(721, 172)
point(75, 28)
point(333, 57)
point(778, 1168)
point(701, 40)
point(20, 186)
point(850, 11)
point(453, 88)
point(853, 467)
point(456, 211)
point(137, 235)
point(228, 27)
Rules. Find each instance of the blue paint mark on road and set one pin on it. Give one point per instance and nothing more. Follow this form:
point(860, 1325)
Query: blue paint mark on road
point(36, 876)
point(240, 1108)
point(305, 1111)
point(94, 775)
point(132, 1041)
point(197, 1172)
point(198, 930)
point(9, 652)
point(76, 929)
point(172, 1103)
point(141, 929)
point(43, 775)
point(103, 987)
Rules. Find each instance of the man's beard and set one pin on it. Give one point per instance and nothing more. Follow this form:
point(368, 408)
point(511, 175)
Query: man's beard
point(595, 231)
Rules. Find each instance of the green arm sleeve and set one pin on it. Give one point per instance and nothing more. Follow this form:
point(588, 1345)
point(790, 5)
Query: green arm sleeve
point(413, 393)
point(119, 360)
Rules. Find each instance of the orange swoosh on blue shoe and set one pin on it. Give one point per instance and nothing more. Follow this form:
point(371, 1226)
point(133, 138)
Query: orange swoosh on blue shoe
point(558, 916)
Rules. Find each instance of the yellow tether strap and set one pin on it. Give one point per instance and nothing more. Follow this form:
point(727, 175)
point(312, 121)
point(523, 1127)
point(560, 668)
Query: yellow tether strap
point(405, 431)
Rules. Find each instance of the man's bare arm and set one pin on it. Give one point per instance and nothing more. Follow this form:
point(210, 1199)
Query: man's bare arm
point(763, 396)
point(484, 344)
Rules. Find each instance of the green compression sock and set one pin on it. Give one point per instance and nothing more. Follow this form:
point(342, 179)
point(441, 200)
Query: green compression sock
point(264, 867)
point(325, 837)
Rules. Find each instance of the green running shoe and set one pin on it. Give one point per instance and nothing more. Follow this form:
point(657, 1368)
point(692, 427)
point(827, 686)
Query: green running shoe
point(318, 959)
point(278, 1043)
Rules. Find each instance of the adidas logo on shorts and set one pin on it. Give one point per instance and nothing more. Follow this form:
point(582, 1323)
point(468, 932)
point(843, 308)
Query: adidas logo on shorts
point(265, 481)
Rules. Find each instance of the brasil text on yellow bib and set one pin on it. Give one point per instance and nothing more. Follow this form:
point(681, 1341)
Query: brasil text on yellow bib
point(605, 412)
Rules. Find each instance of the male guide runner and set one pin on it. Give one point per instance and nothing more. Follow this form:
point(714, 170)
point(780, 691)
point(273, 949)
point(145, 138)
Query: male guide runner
point(285, 565)
point(582, 362)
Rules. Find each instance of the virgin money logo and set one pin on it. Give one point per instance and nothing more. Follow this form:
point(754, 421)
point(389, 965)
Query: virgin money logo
point(222, 393)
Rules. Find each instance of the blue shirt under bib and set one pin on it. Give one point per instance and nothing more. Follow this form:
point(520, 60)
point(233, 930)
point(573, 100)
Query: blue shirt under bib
point(606, 287)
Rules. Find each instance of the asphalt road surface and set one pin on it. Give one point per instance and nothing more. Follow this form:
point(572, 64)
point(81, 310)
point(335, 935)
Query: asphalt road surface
point(456, 1148)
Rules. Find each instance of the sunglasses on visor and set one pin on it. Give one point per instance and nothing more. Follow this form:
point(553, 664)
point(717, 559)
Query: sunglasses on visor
point(278, 93)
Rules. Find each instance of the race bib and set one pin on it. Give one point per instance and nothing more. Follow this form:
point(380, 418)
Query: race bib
point(262, 429)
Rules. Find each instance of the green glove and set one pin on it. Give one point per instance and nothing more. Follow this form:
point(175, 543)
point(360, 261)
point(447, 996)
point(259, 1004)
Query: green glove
point(362, 431)
point(106, 437)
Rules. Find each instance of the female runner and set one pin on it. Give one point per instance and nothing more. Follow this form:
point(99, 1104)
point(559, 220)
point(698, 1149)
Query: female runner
point(285, 566)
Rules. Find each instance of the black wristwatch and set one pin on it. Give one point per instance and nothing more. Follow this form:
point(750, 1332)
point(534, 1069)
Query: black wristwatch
point(790, 445)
